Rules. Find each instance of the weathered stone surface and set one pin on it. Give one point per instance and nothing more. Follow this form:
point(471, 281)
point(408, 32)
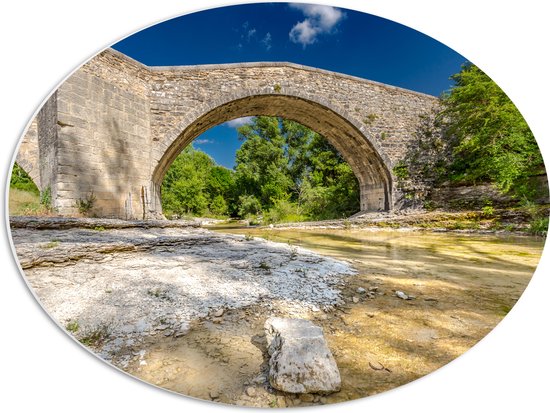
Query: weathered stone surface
point(136, 282)
point(301, 361)
point(114, 126)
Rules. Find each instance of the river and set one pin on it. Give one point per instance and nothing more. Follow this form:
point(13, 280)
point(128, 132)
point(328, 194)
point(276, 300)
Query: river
point(460, 286)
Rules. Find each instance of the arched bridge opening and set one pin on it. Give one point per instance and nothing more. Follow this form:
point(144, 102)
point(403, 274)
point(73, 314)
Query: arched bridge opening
point(371, 170)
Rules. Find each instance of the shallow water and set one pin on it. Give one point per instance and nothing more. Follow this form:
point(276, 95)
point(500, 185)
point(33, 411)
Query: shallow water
point(461, 286)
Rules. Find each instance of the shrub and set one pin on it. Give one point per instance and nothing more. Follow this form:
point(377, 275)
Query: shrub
point(85, 205)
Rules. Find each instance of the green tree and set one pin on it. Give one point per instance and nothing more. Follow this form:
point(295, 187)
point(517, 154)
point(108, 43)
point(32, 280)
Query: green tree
point(184, 185)
point(290, 169)
point(21, 180)
point(261, 165)
point(492, 139)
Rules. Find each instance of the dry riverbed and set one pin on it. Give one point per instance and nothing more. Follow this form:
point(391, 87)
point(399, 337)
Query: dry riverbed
point(183, 308)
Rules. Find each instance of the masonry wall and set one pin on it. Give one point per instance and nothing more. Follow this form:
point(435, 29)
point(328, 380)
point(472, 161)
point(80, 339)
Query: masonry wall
point(27, 156)
point(388, 115)
point(48, 147)
point(114, 126)
point(103, 140)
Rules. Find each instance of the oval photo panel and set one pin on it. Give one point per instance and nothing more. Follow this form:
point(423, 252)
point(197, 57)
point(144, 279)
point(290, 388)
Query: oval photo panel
point(275, 205)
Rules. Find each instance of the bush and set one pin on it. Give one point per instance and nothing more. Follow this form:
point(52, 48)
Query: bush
point(218, 206)
point(283, 211)
point(249, 205)
point(85, 205)
point(539, 226)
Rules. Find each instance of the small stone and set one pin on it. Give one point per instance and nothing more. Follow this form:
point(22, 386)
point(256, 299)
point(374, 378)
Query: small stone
point(162, 327)
point(323, 400)
point(168, 333)
point(260, 379)
point(214, 394)
point(376, 365)
point(373, 289)
point(217, 320)
point(307, 398)
point(250, 391)
point(361, 290)
point(218, 313)
point(355, 300)
point(402, 295)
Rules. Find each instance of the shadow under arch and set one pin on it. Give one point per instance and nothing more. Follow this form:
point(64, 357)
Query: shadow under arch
point(349, 137)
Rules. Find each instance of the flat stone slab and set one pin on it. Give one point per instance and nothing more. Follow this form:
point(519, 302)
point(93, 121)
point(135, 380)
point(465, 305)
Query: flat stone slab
point(301, 361)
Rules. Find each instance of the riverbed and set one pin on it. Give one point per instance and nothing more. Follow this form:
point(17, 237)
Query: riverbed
point(458, 287)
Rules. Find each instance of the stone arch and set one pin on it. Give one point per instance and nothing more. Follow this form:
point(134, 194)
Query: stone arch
point(349, 136)
point(27, 154)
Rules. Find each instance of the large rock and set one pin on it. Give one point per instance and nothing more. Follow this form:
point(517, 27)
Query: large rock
point(301, 361)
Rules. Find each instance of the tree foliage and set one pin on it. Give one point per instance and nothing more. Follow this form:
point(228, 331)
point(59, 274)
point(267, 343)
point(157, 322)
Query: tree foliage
point(21, 180)
point(492, 141)
point(477, 136)
point(195, 185)
point(293, 172)
point(284, 171)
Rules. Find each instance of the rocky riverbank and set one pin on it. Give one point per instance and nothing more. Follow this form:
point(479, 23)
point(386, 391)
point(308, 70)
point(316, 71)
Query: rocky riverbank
point(110, 288)
point(516, 221)
point(185, 309)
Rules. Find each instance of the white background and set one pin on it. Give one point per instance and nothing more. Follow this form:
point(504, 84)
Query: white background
point(41, 368)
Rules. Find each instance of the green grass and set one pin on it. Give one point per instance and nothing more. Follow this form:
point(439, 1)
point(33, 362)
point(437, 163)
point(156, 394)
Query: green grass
point(95, 337)
point(72, 326)
point(25, 203)
point(52, 244)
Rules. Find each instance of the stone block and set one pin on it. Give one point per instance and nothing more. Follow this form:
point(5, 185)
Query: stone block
point(300, 360)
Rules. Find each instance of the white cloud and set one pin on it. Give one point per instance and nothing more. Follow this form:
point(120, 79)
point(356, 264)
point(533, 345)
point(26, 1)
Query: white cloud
point(237, 123)
point(250, 34)
point(203, 141)
point(319, 20)
point(267, 41)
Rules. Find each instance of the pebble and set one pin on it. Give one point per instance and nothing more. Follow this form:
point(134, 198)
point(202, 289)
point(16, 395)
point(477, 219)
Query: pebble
point(402, 295)
point(376, 365)
point(361, 290)
point(307, 398)
point(355, 300)
point(250, 391)
point(259, 379)
point(214, 394)
point(218, 313)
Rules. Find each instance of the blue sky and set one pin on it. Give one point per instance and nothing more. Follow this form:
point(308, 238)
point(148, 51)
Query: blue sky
point(326, 37)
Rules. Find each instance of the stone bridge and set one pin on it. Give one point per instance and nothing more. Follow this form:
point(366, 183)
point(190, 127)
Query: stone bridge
point(115, 125)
